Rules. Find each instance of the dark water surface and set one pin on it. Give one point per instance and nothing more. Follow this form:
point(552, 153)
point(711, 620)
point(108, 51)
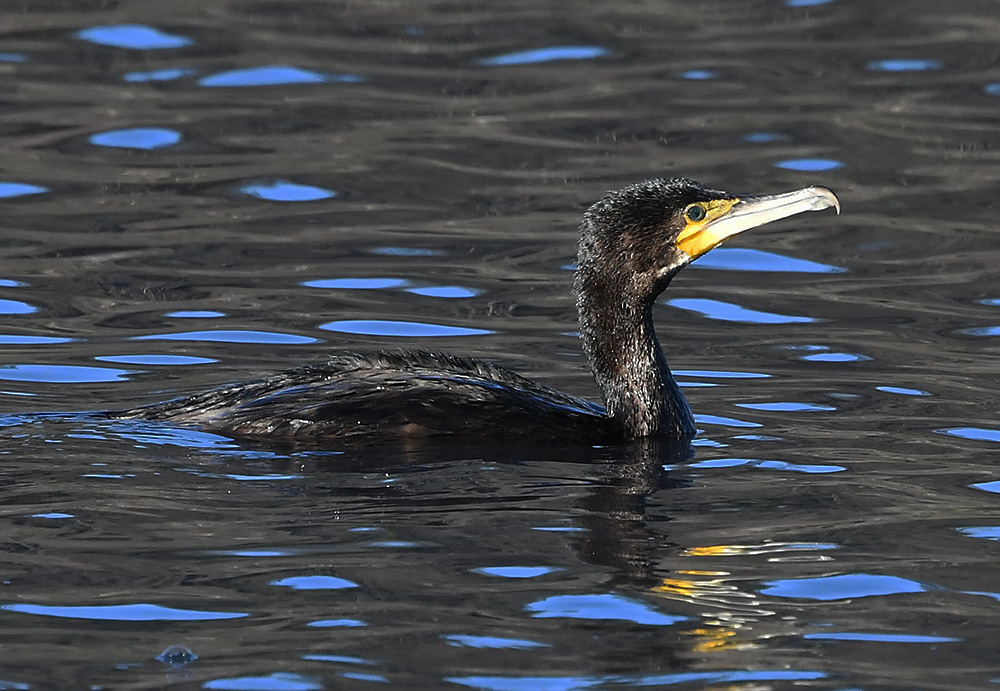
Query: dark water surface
point(200, 192)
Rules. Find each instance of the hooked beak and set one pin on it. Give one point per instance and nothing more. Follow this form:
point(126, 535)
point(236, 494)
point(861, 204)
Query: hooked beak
point(744, 213)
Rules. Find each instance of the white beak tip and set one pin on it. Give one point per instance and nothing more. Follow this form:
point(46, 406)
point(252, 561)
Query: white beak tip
point(824, 198)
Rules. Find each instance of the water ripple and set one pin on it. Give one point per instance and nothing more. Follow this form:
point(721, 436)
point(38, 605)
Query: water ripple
point(284, 191)
point(878, 637)
point(578, 683)
point(601, 607)
point(279, 681)
point(406, 252)
point(135, 36)
point(151, 359)
point(719, 374)
point(492, 642)
point(763, 138)
point(538, 55)
point(230, 336)
point(727, 311)
point(981, 331)
point(769, 465)
point(903, 65)
point(974, 433)
point(163, 75)
point(902, 391)
point(446, 292)
point(703, 419)
point(176, 656)
point(786, 406)
point(146, 138)
point(372, 327)
point(844, 587)
point(517, 571)
point(20, 189)
point(273, 75)
point(357, 283)
point(136, 612)
point(742, 259)
point(990, 532)
point(346, 659)
point(699, 74)
point(195, 314)
point(16, 307)
point(315, 583)
point(62, 374)
point(814, 165)
point(336, 623)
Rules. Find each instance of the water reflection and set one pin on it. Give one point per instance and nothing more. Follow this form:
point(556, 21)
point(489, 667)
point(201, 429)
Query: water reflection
point(272, 75)
point(902, 65)
point(516, 571)
point(767, 465)
point(284, 191)
point(357, 283)
point(745, 259)
point(842, 587)
point(447, 292)
point(315, 583)
point(134, 36)
point(698, 74)
point(157, 360)
point(61, 374)
point(493, 642)
point(195, 314)
point(726, 311)
point(20, 189)
point(137, 138)
point(809, 164)
point(16, 307)
point(572, 683)
point(406, 251)
point(136, 612)
point(283, 681)
point(601, 607)
point(337, 623)
point(229, 336)
point(902, 391)
point(878, 637)
point(163, 75)
point(177, 656)
point(546, 55)
point(372, 327)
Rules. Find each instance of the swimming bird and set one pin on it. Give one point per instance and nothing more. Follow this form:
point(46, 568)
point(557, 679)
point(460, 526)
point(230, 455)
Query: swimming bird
point(632, 244)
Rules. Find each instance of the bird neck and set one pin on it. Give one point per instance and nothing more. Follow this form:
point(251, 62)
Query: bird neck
point(640, 394)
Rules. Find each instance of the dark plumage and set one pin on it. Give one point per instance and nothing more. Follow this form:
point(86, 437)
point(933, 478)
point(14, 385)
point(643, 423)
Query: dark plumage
point(632, 243)
point(369, 398)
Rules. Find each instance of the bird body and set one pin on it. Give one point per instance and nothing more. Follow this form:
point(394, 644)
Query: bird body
point(632, 243)
point(370, 398)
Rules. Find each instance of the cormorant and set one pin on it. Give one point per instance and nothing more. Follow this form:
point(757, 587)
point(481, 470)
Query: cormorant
point(632, 243)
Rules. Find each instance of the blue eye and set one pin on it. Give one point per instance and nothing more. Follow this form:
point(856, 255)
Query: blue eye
point(695, 213)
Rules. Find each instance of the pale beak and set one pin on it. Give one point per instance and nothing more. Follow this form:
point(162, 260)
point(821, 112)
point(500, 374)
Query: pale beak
point(750, 212)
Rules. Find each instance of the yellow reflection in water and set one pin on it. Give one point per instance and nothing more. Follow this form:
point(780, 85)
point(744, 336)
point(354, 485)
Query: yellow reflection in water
point(714, 639)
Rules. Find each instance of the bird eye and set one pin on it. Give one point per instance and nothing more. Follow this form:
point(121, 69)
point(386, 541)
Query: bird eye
point(695, 213)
